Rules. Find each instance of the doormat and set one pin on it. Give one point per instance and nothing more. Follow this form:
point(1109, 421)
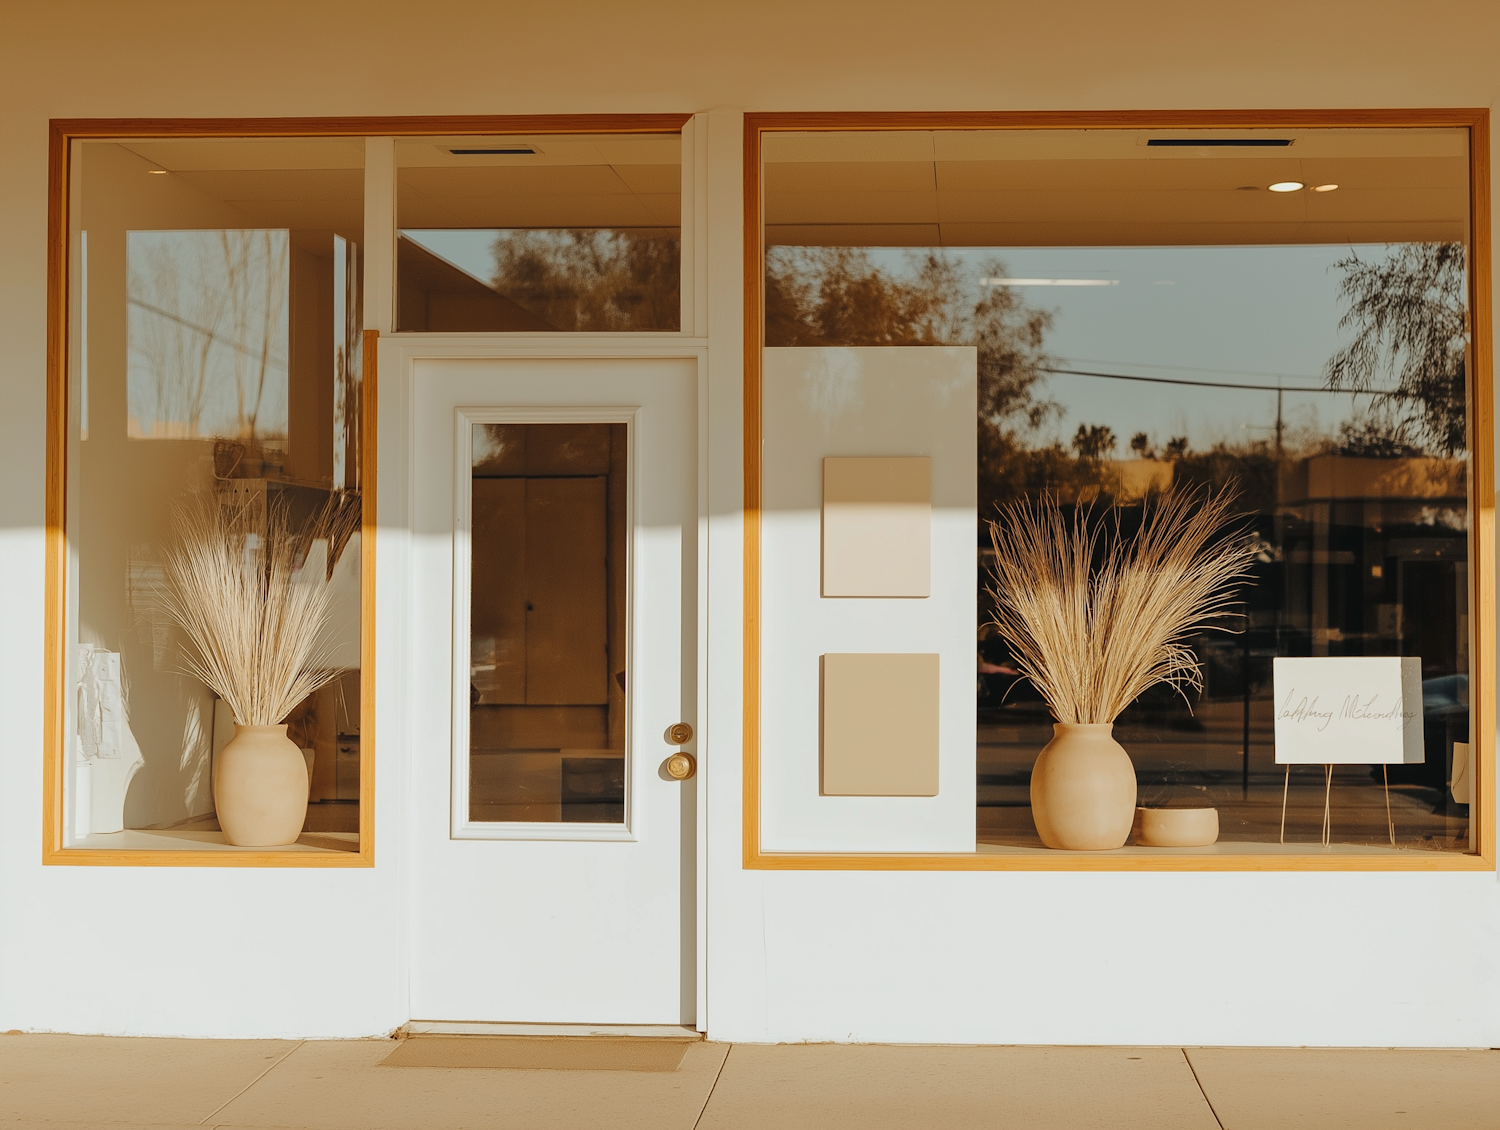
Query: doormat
point(541, 1053)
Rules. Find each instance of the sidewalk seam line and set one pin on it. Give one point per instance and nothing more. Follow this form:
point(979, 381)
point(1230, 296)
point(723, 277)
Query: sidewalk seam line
point(713, 1086)
point(279, 1061)
point(1189, 1060)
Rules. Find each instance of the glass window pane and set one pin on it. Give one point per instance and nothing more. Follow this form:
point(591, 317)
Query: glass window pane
point(218, 321)
point(547, 657)
point(539, 234)
point(1281, 310)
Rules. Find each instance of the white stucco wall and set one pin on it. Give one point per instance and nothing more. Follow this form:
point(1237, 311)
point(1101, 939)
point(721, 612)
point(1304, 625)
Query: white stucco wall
point(999, 957)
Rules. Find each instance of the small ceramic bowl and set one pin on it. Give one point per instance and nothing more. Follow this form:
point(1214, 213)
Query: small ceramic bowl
point(1176, 827)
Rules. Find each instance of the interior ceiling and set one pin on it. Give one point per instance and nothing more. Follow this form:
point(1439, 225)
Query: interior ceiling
point(547, 196)
point(618, 181)
point(921, 188)
point(302, 184)
point(581, 180)
point(1017, 188)
point(549, 149)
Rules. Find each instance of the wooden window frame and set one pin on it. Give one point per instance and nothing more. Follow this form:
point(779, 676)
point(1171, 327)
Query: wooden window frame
point(1481, 478)
point(62, 133)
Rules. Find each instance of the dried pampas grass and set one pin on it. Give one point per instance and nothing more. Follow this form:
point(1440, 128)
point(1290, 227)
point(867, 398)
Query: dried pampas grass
point(1092, 617)
point(255, 621)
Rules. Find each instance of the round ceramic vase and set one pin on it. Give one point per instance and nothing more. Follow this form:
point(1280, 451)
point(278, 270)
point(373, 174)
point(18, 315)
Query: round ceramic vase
point(1083, 789)
point(260, 788)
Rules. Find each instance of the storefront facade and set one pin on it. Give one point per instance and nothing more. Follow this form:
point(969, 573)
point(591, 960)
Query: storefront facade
point(603, 363)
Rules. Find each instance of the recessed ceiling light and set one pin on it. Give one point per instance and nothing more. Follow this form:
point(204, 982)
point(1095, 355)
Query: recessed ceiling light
point(1324, 187)
point(1285, 186)
point(157, 172)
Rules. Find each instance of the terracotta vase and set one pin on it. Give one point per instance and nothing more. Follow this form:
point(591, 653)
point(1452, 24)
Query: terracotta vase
point(1083, 789)
point(260, 788)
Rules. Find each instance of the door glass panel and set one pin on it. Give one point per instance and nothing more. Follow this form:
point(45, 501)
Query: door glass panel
point(547, 667)
point(539, 234)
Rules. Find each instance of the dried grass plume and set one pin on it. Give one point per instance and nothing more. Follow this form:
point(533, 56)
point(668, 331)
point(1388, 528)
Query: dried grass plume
point(255, 621)
point(1093, 617)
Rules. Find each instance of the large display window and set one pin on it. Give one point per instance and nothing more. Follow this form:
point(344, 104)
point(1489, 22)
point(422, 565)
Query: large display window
point(217, 366)
point(212, 372)
point(1286, 313)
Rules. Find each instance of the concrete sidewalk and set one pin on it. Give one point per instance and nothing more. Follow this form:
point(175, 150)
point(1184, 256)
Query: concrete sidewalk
point(66, 1082)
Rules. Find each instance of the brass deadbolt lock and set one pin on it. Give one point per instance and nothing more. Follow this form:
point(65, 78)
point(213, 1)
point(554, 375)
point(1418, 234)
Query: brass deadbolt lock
point(681, 766)
point(679, 733)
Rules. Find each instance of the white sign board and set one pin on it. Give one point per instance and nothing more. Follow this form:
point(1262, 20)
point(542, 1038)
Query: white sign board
point(1348, 711)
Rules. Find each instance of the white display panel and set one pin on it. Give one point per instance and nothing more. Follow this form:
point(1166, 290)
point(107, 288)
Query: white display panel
point(894, 402)
point(1348, 710)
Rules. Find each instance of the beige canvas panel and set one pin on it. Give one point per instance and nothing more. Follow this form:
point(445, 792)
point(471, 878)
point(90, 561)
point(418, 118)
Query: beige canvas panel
point(880, 725)
point(877, 526)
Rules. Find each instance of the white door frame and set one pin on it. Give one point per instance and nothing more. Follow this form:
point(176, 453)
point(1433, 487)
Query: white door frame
point(396, 390)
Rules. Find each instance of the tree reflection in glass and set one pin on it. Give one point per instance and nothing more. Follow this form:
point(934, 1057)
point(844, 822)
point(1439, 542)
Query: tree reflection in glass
point(550, 280)
point(208, 334)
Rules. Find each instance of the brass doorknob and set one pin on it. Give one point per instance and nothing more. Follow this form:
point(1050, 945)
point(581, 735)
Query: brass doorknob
point(681, 766)
point(679, 733)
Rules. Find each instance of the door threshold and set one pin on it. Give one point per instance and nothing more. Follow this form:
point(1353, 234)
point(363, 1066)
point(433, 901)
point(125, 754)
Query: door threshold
point(486, 1028)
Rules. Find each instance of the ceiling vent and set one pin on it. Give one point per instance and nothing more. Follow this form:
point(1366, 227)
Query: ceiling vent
point(1220, 142)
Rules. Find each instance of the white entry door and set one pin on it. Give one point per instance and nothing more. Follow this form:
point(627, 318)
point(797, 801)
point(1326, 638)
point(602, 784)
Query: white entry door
point(553, 563)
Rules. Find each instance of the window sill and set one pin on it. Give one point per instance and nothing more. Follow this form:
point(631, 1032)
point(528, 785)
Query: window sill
point(1216, 857)
point(182, 847)
point(186, 839)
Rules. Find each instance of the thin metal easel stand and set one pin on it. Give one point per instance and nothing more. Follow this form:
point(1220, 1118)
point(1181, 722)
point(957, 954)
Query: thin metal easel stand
point(1385, 774)
point(1327, 797)
point(1390, 824)
point(1285, 785)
